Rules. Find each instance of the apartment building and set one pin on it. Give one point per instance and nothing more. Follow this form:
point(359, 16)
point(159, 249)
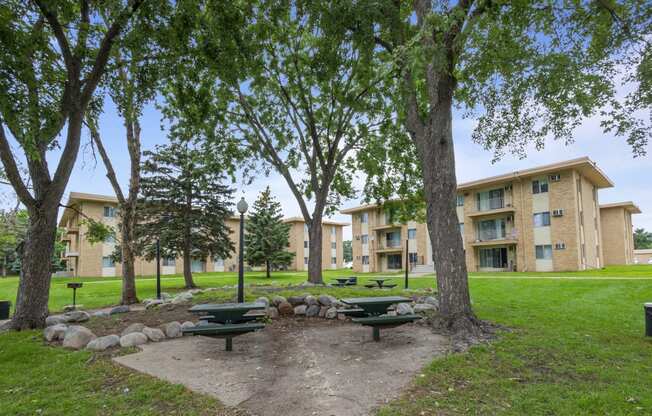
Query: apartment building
point(618, 232)
point(85, 259)
point(643, 256)
point(332, 251)
point(542, 219)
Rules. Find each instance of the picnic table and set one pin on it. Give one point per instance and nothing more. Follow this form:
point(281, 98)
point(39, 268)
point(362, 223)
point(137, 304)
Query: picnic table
point(226, 320)
point(374, 311)
point(381, 282)
point(342, 281)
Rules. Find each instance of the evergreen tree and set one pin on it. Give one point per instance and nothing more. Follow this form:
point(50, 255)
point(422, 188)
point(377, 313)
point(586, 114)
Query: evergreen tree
point(642, 239)
point(184, 203)
point(348, 251)
point(267, 236)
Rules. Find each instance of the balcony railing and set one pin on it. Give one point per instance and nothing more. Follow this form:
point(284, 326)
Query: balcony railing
point(491, 203)
point(389, 245)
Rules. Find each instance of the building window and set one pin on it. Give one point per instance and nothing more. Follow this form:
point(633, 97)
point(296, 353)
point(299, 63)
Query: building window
point(218, 262)
point(107, 261)
point(110, 239)
point(494, 199)
point(305, 260)
point(543, 252)
point(412, 258)
point(169, 261)
point(462, 229)
point(412, 233)
point(542, 219)
point(394, 261)
point(492, 229)
point(109, 212)
point(364, 239)
point(493, 258)
point(364, 217)
point(333, 260)
point(333, 245)
point(539, 186)
point(305, 244)
point(365, 260)
point(393, 239)
point(333, 231)
point(460, 200)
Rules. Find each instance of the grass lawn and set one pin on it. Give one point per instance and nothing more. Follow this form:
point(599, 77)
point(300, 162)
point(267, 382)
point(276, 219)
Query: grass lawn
point(577, 347)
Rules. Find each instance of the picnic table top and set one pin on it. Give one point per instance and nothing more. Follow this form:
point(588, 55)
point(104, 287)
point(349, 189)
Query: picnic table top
point(342, 279)
point(382, 279)
point(219, 307)
point(376, 300)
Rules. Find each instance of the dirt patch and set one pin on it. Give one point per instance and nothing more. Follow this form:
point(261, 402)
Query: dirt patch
point(149, 317)
point(296, 366)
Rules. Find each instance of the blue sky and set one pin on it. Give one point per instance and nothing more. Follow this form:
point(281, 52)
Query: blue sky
point(632, 176)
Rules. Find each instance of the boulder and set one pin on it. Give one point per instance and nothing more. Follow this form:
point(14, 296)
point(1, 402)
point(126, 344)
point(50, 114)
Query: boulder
point(135, 327)
point(277, 300)
point(55, 332)
point(263, 300)
point(133, 339)
point(311, 300)
point(331, 313)
point(182, 297)
point(285, 308)
point(297, 300)
point(186, 325)
point(70, 308)
point(341, 316)
point(77, 337)
point(153, 303)
point(154, 334)
point(166, 296)
point(76, 316)
point(103, 343)
point(54, 320)
point(404, 309)
point(323, 310)
point(100, 314)
point(300, 309)
point(424, 307)
point(119, 309)
point(312, 311)
point(272, 312)
point(431, 301)
point(172, 329)
point(326, 300)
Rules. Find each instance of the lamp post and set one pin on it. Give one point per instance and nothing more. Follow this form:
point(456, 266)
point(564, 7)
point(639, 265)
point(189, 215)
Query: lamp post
point(242, 208)
point(158, 268)
point(407, 261)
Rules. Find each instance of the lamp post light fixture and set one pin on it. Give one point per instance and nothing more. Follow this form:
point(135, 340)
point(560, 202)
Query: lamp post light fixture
point(242, 208)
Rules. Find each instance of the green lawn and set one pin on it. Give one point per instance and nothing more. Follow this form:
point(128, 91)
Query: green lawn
point(576, 347)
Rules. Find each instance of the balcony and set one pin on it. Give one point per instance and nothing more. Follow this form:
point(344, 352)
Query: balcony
point(389, 246)
point(503, 210)
point(72, 229)
point(72, 254)
point(385, 227)
point(496, 242)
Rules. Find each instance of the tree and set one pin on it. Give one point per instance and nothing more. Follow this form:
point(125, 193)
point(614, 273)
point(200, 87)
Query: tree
point(530, 69)
point(13, 227)
point(348, 251)
point(52, 59)
point(267, 236)
point(642, 239)
point(184, 204)
point(133, 78)
point(302, 94)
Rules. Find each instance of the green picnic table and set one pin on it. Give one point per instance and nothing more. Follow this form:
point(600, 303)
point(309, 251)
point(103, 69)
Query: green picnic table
point(375, 309)
point(374, 306)
point(226, 320)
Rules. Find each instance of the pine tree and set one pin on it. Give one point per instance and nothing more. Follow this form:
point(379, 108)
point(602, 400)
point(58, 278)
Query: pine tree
point(184, 204)
point(267, 236)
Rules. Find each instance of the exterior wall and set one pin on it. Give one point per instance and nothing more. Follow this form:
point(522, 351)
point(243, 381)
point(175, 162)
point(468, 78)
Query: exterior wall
point(643, 256)
point(565, 229)
point(618, 243)
point(299, 235)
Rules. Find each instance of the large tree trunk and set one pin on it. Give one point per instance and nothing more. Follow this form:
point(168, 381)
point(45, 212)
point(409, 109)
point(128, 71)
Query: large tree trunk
point(36, 273)
point(314, 252)
point(187, 271)
point(128, 257)
point(269, 269)
point(435, 147)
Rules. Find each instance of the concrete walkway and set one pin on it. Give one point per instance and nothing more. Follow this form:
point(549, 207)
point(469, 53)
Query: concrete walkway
point(296, 367)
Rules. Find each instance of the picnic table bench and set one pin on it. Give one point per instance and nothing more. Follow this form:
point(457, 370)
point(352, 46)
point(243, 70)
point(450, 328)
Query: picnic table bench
point(226, 320)
point(375, 309)
point(380, 283)
point(346, 281)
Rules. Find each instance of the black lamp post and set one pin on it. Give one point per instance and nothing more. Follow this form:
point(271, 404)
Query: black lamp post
point(242, 208)
point(158, 269)
point(407, 261)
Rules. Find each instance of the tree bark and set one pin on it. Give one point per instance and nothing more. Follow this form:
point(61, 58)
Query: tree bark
point(128, 256)
point(315, 250)
point(269, 266)
point(36, 274)
point(187, 271)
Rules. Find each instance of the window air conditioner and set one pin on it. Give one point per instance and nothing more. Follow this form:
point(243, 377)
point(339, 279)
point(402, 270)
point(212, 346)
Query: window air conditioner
point(557, 212)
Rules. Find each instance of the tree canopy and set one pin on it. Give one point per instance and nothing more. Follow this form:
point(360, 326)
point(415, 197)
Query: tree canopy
point(642, 239)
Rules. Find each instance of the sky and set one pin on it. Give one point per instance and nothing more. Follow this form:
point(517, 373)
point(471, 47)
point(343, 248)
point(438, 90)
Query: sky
point(632, 176)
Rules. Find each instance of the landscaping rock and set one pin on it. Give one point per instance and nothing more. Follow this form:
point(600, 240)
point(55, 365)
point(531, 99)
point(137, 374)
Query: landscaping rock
point(263, 300)
point(154, 334)
point(404, 309)
point(323, 310)
point(70, 308)
point(424, 307)
point(331, 313)
point(133, 339)
point(77, 337)
point(341, 316)
point(272, 312)
point(135, 327)
point(172, 329)
point(297, 300)
point(103, 343)
point(326, 300)
point(311, 300)
point(119, 309)
point(100, 314)
point(54, 320)
point(166, 296)
point(187, 325)
point(277, 300)
point(300, 309)
point(154, 303)
point(182, 297)
point(285, 308)
point(55, 332)
point(312, 311)
point(76, 316)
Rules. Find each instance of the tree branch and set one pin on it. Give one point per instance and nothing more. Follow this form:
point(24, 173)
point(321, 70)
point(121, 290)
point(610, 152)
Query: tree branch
point(110, 172)
point(11, 170)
